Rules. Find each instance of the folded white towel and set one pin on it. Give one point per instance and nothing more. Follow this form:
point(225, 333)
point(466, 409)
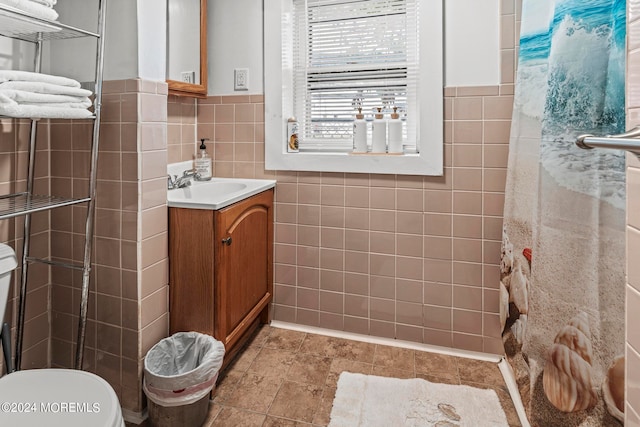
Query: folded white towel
point(25, 97)
point(32, 8)
point(43, 112)
point(29, 76)
point(41, 87)
point(48, 3)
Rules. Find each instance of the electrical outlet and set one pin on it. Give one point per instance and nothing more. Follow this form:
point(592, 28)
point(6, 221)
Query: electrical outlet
point(188, 76)
point(241, 79)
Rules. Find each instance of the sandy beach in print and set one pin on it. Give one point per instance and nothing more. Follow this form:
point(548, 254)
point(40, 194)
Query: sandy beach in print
point(569, 277)
point(563, 245)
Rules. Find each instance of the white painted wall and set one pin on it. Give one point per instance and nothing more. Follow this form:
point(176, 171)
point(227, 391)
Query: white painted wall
point(16, 55)
point(234, 40)
point(472, 50)
point(76, 58)
point(152, 39)
point(135, 41)
point(472, 42)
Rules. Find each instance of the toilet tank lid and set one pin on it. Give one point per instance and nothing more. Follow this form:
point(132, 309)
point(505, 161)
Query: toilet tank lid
point(8, 259)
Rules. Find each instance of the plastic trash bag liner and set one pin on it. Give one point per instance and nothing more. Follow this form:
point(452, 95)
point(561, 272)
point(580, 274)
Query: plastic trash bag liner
point(182, 368)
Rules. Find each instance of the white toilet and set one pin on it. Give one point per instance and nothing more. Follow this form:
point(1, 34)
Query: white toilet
point(52, 397)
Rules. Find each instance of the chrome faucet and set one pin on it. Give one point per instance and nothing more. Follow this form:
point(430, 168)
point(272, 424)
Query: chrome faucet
point(183, 181)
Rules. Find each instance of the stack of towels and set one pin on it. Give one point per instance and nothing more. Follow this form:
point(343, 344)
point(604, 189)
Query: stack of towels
point(42, 9)
point(35, 95)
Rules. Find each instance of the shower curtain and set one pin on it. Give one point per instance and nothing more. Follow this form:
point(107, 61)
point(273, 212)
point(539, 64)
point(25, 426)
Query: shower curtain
point(562, 265)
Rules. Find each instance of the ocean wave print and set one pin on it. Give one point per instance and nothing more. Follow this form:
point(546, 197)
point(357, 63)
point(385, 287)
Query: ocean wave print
point(585, 94)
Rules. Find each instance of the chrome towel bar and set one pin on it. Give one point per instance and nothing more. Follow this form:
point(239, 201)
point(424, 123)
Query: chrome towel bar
point(625, 141)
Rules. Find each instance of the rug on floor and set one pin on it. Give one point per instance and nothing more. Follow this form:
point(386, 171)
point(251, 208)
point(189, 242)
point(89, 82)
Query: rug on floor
point(371, 401)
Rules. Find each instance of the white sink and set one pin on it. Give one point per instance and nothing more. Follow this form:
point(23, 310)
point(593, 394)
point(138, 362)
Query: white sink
point(217, 193)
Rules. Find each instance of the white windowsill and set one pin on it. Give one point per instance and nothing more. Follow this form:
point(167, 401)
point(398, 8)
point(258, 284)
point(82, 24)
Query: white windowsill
point(406, 164)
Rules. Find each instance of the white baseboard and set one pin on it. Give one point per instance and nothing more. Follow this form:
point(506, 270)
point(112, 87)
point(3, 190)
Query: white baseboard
point(388, 341)
point(512, 386)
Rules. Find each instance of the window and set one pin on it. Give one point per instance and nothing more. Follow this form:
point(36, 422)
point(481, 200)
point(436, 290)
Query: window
point(326, 58)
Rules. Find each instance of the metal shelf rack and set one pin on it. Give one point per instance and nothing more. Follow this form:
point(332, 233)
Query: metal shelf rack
point(19, 25)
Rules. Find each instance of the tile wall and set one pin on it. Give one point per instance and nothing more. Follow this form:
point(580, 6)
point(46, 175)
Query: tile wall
point(632, 409)
point(14, 144)
point(128, 304)
point(408, 257)
point(181, 128)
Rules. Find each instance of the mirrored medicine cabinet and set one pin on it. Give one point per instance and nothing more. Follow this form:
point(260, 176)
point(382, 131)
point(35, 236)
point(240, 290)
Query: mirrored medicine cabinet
point(187, 47)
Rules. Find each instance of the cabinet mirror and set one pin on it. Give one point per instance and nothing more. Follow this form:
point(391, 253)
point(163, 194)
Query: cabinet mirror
point(187, 47)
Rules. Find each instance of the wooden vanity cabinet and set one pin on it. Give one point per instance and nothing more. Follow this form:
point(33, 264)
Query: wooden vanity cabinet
point(220, 269)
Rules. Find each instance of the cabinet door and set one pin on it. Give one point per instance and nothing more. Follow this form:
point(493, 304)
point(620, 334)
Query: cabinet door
point(191, 270)
point(243, 258)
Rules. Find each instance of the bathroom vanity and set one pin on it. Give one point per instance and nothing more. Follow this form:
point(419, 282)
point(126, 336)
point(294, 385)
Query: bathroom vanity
point(220, 268)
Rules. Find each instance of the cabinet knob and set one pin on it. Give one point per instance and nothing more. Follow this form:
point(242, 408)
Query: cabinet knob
point(227, 241)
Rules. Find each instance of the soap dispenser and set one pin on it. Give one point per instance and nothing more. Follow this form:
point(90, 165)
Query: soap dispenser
point(395, 132)
point(379, 133)
point(203, 162)
point(359, 133)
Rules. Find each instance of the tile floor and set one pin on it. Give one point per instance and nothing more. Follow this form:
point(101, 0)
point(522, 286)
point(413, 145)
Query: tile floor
point(288, 378)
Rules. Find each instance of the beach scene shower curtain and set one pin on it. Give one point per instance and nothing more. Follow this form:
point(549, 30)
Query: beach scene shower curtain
point(563, 250)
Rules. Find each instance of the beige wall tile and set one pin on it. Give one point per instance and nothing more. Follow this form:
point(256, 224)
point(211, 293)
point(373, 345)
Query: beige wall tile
point(467, 108)
point(467, 155)
point(494, 179)
point(436, 270)
point(154, 332)
point(332, 280)
point(469, 250)
point(633, 247)
point(633, 203)
point(153, 108)
point(355, 283)
point(331, 259)
point(467, 179)
point(439, 294)
point(632, 317)
point(465, 273)
point(332, 302)
point(632, 378)
point(466, 321)
point(154, 278)
point(469, 226)
point(498, 107)
point(382, 309)
point(437, 317)
point(466, 132)
point(382, 287)
point(409, 268)
point(409, 313)
point(468, 342)
point(633, 219)
point(465, 202)
point(497, 131)
point(154, 306)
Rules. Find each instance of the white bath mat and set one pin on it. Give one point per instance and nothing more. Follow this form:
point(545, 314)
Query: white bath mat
point(371, 401)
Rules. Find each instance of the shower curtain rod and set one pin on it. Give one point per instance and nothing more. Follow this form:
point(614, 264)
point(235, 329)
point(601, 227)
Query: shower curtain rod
point(625, 141)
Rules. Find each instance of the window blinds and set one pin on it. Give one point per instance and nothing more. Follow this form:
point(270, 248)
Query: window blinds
point(349, 54)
